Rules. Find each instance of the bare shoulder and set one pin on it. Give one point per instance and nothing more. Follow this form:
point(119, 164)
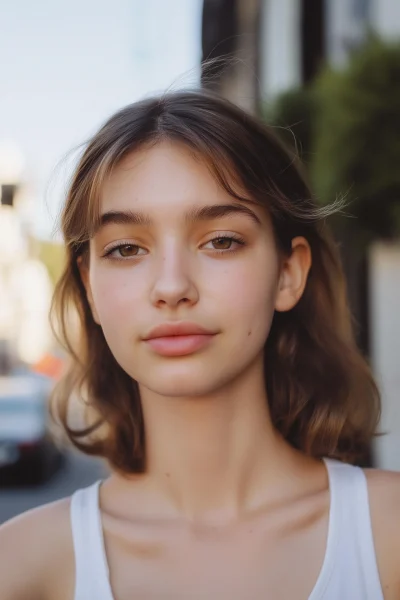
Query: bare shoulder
point(384, 500)
point(36, 554)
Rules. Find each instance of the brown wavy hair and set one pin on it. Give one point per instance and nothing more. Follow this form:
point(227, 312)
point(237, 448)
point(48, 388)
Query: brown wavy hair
point(322, 396)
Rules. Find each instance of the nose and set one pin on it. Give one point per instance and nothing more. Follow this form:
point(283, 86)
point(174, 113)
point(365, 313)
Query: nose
point(173, 282)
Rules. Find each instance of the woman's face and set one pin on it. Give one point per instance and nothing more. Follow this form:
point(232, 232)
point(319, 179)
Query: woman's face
point(174, 247)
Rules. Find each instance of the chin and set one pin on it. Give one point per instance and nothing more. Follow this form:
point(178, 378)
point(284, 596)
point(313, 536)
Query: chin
point(182, 387)
point(180, 381)
point(189, 383)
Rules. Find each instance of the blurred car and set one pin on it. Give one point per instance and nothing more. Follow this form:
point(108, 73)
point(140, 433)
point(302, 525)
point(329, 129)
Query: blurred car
point(28, 453)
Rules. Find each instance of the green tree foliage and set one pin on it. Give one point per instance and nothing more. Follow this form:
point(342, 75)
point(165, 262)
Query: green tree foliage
point(356, 148)
point(293, 114)
point(346, 128)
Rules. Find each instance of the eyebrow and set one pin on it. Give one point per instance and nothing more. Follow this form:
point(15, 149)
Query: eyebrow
point(193, 215)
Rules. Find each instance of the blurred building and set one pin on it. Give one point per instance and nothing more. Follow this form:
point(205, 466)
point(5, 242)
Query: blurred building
point(280, 45)
point(25, 287)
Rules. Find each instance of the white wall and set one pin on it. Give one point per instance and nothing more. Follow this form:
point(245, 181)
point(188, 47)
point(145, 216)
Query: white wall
point(66, 66)
point(347, 22)
point(280, 60)
point(345, 28)
point(385, 295)
point(385, 346)
point(385, 17)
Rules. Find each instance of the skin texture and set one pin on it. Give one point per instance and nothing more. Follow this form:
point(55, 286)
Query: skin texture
point(226, 508)
point(178, 275)
point(196, 400)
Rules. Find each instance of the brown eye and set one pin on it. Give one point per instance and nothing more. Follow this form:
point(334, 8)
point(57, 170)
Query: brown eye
point(223, 243)
point(124, 252)
point(128, 250)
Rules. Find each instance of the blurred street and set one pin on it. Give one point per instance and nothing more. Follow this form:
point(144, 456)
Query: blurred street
point(310, 70)
point(77, 471)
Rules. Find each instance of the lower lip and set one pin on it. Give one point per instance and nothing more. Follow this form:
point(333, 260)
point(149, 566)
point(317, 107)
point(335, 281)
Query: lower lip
point(179, 345)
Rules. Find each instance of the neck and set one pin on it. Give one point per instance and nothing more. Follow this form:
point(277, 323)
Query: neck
point(213, 457)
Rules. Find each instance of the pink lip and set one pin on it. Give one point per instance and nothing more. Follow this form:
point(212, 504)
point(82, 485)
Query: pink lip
point(178, 339)
point(177, 328)
point(179, 345)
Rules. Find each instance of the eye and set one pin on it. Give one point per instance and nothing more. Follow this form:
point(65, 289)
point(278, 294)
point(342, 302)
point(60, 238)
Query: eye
point(122, 251)
point(225, 243)
point(222, 243)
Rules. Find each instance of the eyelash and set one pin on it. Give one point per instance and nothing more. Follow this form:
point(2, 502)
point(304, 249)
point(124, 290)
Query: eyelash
point(231, 237)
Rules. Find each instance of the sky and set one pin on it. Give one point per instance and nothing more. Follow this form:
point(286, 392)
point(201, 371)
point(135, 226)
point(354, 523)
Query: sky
point(67, 66)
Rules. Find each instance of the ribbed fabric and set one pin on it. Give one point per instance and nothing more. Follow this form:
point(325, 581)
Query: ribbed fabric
point(349, 570)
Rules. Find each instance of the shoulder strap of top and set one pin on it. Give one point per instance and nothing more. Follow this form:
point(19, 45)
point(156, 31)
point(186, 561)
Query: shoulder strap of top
point(333, 537)
point(91, 568)
point(351, 517)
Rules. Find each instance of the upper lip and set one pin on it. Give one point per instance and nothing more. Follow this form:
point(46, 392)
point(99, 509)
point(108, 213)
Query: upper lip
point(177, 328)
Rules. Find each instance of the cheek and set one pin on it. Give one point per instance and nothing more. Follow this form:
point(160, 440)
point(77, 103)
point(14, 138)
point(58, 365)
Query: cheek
point(247, 295)
point(254, 300)
point(115, 296)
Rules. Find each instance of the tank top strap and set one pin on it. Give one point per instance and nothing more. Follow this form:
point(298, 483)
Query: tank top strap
point(355, 558)
point(91, 568)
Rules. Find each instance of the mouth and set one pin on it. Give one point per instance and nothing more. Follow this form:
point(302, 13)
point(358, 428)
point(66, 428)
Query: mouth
point(179, 345)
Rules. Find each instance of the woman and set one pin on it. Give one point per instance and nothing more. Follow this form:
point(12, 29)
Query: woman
point(222, 381)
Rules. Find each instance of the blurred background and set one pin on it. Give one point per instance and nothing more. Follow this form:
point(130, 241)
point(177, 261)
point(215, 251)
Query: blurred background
point(324, 73)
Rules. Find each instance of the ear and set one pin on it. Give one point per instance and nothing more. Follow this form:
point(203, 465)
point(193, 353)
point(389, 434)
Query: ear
point(84, 271)
point(293, 276)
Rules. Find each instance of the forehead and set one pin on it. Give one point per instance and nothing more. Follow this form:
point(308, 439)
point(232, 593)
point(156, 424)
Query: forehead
point(167, 178)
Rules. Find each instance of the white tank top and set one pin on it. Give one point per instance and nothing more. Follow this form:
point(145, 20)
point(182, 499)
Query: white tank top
point(349, 570)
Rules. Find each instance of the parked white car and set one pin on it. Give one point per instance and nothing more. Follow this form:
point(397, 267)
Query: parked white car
point(28, 453)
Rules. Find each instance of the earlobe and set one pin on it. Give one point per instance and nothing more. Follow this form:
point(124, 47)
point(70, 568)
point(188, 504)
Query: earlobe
point(293, 276)
point(286, 298)
point(84, 273)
